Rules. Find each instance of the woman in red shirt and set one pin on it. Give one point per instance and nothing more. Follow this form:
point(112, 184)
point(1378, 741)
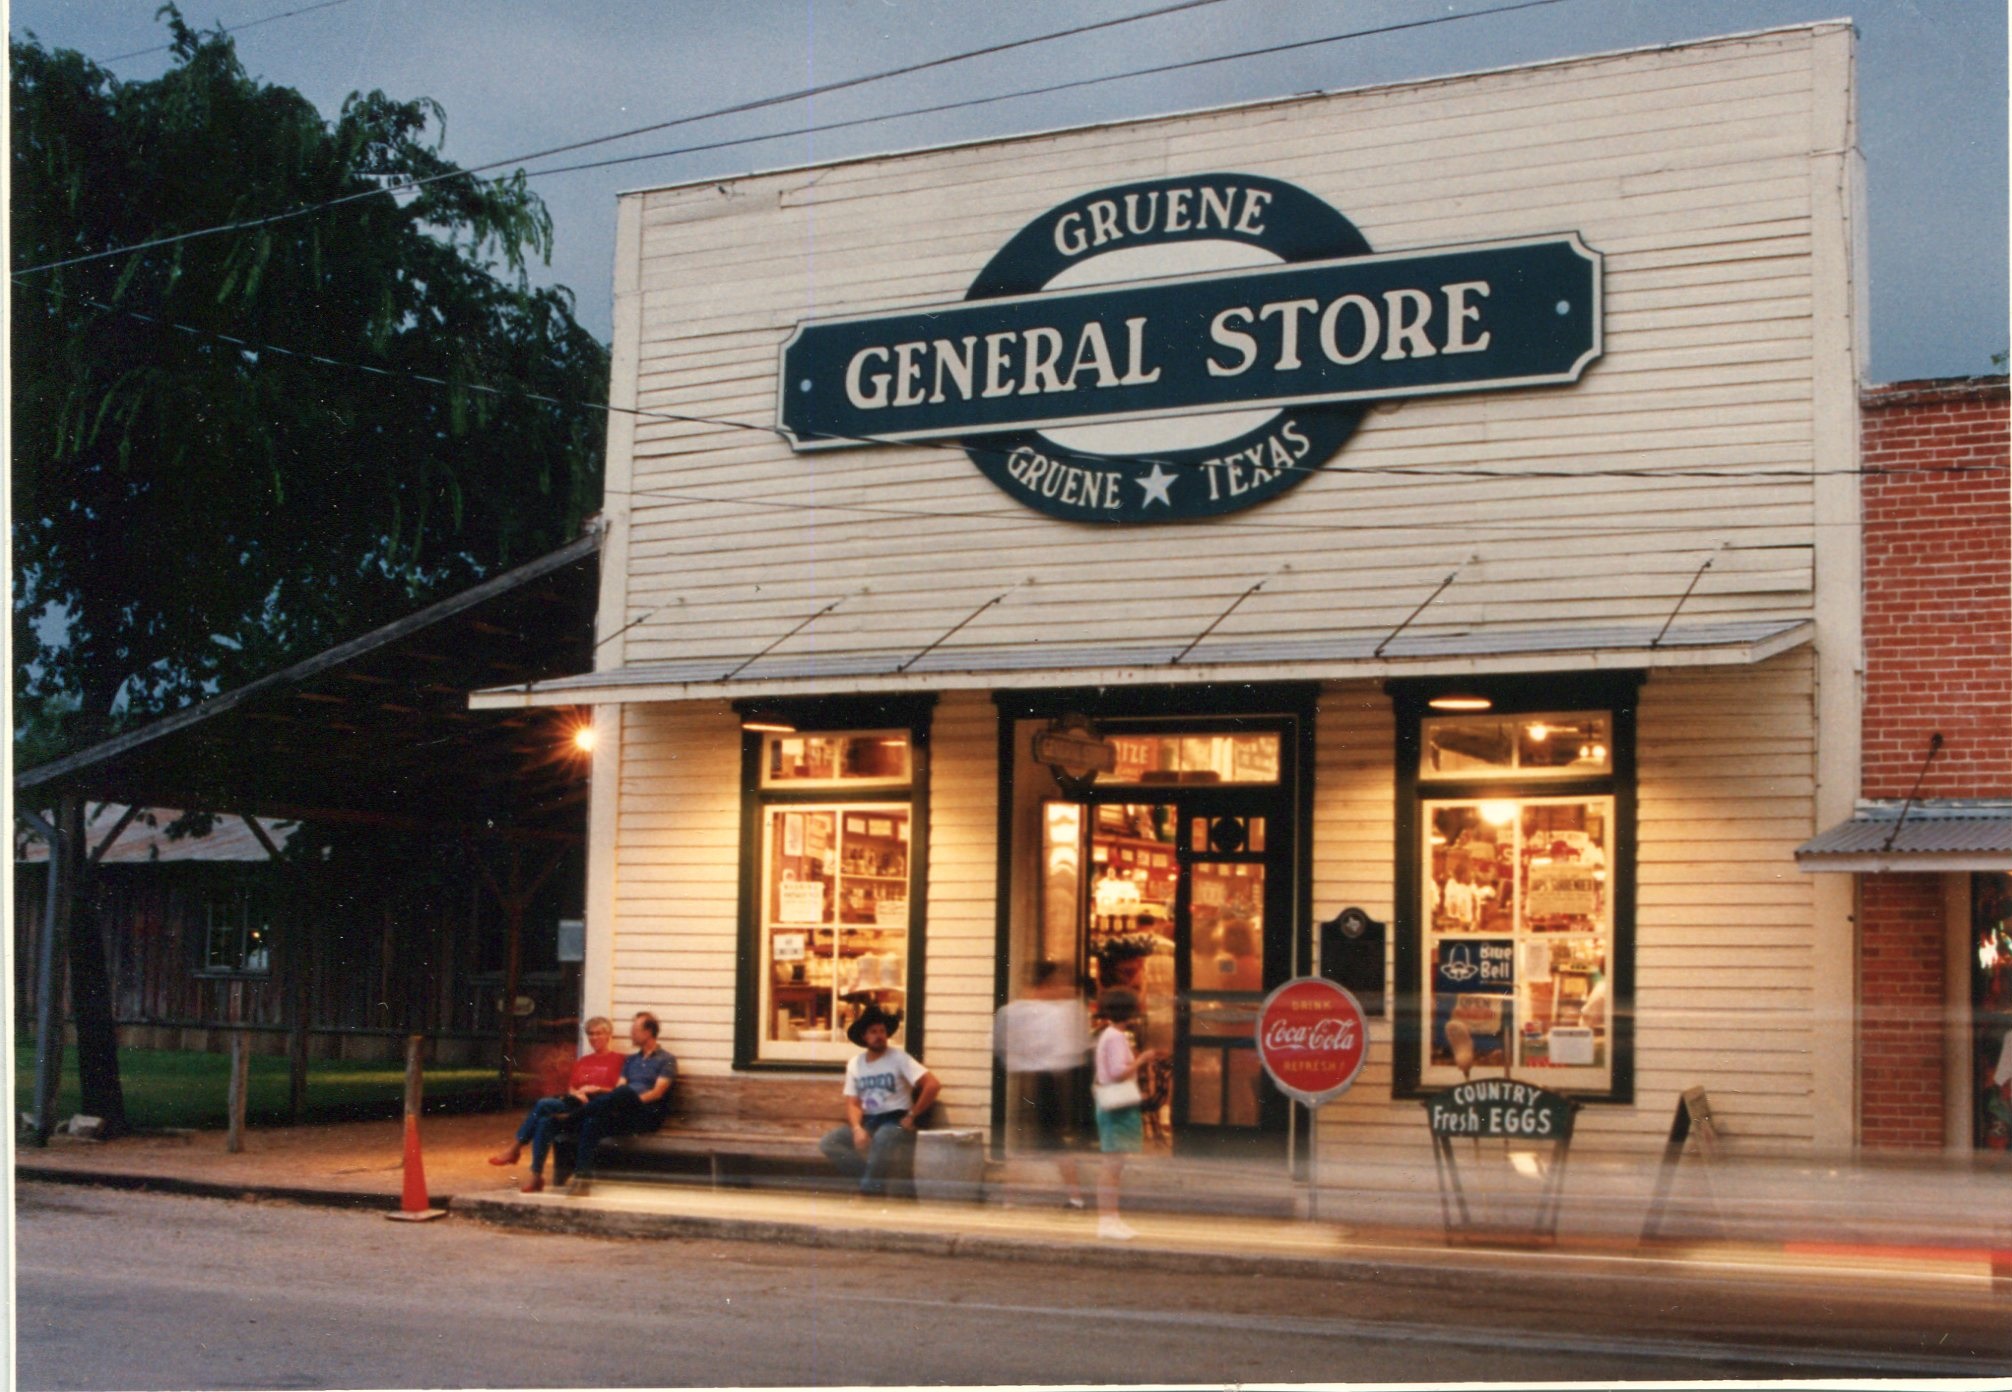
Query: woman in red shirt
point(598, 1070)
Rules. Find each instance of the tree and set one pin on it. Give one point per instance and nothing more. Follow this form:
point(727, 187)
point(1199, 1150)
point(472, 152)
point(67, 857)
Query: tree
point(192, 508)
point(190, 513)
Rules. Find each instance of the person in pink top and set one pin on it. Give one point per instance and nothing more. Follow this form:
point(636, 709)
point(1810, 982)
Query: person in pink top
point(596, 1071)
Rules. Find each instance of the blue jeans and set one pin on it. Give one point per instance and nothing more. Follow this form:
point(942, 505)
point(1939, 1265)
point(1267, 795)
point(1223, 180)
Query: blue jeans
point(548, 1116)
point(871, 1169)
point(617, 1113)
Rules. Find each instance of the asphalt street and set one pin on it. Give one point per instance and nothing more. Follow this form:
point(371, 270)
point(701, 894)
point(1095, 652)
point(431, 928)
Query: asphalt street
point(125, 1290)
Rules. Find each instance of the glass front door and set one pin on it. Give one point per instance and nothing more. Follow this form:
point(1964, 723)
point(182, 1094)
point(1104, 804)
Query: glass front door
point(1186, 903)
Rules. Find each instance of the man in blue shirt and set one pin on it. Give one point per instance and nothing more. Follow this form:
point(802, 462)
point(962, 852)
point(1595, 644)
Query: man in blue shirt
point(637, 1104)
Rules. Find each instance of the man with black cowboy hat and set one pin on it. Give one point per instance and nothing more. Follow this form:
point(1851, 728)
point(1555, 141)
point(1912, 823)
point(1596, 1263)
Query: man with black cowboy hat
point(886, 1091)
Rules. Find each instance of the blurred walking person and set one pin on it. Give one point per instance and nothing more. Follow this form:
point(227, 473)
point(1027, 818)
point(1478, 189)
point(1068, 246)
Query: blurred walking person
point(1042, 1040)
point(1120, 1119)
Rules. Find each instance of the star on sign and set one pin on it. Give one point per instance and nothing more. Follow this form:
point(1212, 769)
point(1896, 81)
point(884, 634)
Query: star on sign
point(1156, 485)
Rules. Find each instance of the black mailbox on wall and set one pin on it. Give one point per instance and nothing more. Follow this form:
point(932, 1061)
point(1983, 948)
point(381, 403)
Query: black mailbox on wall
point(1351, 956)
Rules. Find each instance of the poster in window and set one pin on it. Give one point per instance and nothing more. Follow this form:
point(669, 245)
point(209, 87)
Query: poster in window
point(792, 833)
point(1561, 891)
point(1473, 1005)
point(891, 912)
point(879, 826)
point(789, 947)
point(817, 835)
point(802, 902)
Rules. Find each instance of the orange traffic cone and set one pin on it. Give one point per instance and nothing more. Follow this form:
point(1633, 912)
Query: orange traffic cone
point(414, 1206)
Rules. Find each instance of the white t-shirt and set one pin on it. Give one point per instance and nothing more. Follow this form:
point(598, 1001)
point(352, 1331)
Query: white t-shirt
point(885, 1084)
point(1041, 1035)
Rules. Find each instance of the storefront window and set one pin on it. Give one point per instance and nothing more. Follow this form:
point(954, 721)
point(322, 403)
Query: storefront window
point(833, 924)
point(1516, 956)
point(1520, 939)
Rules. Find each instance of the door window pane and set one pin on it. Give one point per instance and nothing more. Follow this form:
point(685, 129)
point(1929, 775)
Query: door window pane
point(1226, 922)
point(1195, 759)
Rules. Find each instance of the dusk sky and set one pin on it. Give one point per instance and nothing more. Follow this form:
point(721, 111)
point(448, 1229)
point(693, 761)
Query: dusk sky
point(518, 78)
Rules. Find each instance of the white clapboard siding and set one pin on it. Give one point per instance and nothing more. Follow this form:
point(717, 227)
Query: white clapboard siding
point(1690, 168)
point(963, 902)
point(1725, 946)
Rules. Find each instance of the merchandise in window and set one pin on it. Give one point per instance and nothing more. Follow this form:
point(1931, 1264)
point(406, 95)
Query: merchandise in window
point(834, 904)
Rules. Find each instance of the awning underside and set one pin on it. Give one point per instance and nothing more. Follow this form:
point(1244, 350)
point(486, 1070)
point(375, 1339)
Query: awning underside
point(1332, 655)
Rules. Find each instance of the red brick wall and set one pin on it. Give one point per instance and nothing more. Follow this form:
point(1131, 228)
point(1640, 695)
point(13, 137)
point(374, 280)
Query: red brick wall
point(1938, 653)
point(1902, 999)
point(1938, 590)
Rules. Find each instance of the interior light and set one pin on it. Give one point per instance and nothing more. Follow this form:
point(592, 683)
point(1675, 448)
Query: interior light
point(583, 738)
point(1540, 732)
point(1498, 813)
point(1600, 752)
point(768, 727)
point(1461, 701)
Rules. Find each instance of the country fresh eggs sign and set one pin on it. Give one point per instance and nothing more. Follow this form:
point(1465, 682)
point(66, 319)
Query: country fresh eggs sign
point(1187, 347)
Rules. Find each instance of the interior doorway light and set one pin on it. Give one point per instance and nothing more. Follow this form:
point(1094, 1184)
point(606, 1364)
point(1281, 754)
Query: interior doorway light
point(768, 727)
point(1461, 701)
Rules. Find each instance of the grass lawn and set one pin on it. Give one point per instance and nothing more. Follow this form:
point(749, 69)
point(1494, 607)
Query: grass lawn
point(165, 1087)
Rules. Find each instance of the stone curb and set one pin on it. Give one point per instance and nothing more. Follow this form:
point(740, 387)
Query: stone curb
point(1454, 1266)
point(210, 1189)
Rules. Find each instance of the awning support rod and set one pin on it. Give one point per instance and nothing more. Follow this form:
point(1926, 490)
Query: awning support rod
point(959, 625)
point(1657, 641)
point(784, 639)
point(1391, 637)
point(1934, 748)
point(1175, 660)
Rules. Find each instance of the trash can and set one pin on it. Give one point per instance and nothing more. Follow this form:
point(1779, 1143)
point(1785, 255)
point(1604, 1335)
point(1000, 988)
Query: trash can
point(950, 1165)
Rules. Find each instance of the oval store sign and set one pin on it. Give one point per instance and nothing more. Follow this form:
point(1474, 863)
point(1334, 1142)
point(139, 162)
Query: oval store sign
point(1187, 347)
point(1312, 1039)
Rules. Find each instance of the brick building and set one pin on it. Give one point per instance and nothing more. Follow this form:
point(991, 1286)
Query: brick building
point(1932, 839)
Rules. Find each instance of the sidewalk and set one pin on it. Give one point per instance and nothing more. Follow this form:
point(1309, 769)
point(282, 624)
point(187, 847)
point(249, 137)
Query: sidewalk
point(1934, 1220)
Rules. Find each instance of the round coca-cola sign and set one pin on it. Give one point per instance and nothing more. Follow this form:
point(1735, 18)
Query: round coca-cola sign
point(1313, 1038)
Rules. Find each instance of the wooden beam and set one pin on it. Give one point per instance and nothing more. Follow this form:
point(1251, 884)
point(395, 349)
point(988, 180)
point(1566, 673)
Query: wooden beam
point(259, 833)
point(125, 820)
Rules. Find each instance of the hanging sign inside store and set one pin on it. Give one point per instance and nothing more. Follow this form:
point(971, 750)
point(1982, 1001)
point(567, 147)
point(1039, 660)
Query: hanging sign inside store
point(1501, 1107)
point(1073, 752)
point(1187, 347)
point(1312, 1039)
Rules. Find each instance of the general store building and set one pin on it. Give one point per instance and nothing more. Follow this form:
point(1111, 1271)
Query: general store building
point(1452, 515)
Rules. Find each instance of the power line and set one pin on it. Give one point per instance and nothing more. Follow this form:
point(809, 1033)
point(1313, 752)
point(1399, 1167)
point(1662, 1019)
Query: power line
point(235, 29)
point(738, 108)
point(1419, 472)
point(961, 104)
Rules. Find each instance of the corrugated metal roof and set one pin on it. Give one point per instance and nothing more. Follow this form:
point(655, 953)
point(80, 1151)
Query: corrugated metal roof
point(1311, 654)
point(228, 839)
point(1939, 830)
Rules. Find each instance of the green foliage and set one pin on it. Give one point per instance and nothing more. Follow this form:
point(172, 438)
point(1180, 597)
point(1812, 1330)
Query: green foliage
point(170, 1088)
point(194, 513)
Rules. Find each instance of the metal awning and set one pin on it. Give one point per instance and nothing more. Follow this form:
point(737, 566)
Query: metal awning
point(1957, 834)
point(1311, 655)
point(377, 729)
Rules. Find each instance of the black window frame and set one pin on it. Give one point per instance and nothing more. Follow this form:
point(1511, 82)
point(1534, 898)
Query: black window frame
point(828, 715)
point(248, 901)
point(1616, 693)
